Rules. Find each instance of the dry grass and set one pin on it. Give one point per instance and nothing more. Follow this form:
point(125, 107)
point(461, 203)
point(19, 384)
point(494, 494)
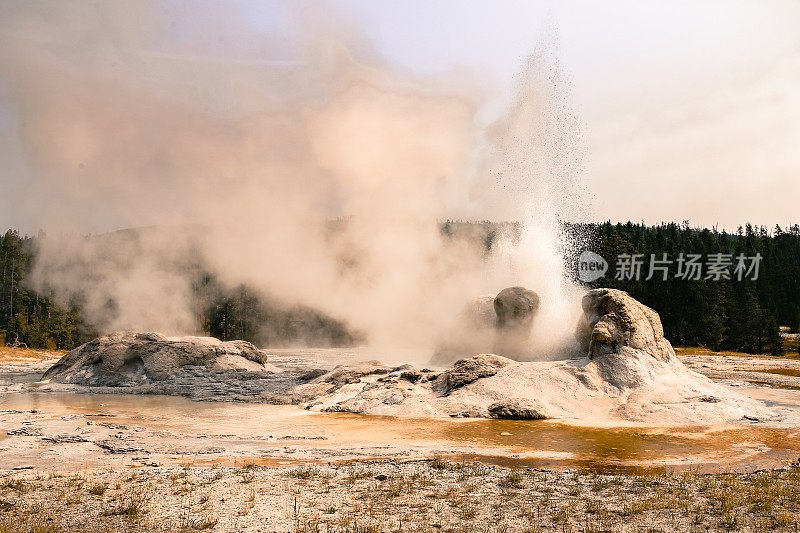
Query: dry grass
point(690, 350)
point(415, 496)
point(27, 355)
point(793, 372)
point(791, 349)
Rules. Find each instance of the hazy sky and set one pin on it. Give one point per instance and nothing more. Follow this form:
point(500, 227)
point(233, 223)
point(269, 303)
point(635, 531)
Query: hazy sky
point(687, 109)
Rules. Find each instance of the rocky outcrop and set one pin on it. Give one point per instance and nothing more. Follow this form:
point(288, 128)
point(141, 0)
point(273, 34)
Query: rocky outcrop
point(342, 375)
point(465, 371)
point(618, 321)
point(128, 358)
point(629, 373)
point(501, 324)
point(517, 409)
point(516, 308)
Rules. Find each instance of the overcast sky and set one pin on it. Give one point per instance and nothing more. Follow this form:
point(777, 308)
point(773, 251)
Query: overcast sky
point(687, 109)
point(691, 109)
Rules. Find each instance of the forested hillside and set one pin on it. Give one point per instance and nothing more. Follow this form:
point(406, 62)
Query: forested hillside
point(45, 321)
point(730, 314)
point(26, 316)
point(734, 314)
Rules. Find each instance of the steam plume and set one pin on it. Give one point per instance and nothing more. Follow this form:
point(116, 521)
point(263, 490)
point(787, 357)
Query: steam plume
point(129, 120)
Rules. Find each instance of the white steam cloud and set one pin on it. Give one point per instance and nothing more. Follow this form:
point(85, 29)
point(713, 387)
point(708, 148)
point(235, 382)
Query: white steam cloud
point(130, 120)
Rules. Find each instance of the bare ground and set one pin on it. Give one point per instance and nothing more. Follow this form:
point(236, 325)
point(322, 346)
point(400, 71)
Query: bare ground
point(72, 462)
point(432, 495)
point(735, 369)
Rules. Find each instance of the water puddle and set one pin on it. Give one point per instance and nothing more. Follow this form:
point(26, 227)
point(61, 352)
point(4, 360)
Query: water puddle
point(521, 443)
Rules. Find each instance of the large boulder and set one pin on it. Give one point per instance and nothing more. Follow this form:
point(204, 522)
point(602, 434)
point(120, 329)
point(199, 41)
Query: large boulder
point(617, 321)
point(517, 409)
point(465, 371)
point(499, 324)
point(515, 308)
point(128, 358)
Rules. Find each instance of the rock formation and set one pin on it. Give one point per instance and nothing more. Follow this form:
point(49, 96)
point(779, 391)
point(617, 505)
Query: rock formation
point(617, 321)
point(130, 359)
point(515, 308)
point(517, 409)
point(465, 371)
point(140, 357)
point(629, 373)
point(501, 324)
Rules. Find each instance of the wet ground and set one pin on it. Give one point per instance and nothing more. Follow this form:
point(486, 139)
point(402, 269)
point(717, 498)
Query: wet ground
point(77, 461)
point(72, 431)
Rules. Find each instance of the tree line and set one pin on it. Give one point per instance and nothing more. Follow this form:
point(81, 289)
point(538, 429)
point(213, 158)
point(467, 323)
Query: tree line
point(29, 318)
point(720, 314)
point(717, 312)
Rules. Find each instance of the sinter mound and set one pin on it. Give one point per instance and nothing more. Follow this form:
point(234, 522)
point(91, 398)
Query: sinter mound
point(501, 325)
point(629, 374)
point(130, 358)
